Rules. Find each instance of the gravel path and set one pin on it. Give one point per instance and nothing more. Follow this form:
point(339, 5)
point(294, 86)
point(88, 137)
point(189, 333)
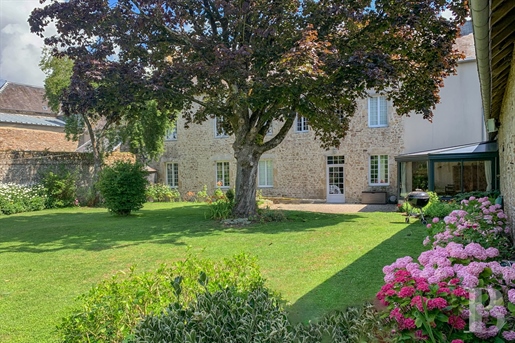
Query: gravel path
point(335, 208)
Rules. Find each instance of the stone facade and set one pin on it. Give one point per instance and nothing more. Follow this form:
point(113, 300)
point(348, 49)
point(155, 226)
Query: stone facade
point(506, 142)
point(13, 138)
point(300, 168)
point(299, 164)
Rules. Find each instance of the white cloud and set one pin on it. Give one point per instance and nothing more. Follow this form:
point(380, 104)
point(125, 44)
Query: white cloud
point(20, 50)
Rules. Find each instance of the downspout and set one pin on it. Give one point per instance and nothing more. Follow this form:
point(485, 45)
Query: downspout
point(480, 12)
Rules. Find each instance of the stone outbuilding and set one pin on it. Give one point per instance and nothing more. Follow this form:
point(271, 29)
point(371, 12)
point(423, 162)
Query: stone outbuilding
point(27, 123)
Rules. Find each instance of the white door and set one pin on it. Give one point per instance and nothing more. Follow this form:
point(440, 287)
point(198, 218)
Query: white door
point(335, 179)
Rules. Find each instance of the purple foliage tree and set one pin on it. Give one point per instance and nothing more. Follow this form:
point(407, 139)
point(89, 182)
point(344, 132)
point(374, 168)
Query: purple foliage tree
point(253, 62)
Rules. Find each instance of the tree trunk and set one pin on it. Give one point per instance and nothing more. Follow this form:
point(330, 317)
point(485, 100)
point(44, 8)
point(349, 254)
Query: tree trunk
point(247, 160)
point(97, 161)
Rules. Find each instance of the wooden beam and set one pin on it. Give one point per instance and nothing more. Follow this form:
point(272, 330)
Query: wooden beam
point(506, 21)
point(501, 67)
point(499, 54)
point(504, 36)
point(495, 4)
point(500, 10)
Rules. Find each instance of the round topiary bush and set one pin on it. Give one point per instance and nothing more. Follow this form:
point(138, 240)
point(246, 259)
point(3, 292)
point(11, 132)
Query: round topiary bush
point(122, 187)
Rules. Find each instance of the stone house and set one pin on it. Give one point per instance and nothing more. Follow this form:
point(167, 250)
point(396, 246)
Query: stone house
point(362, 169)
point(27, 123)
point(494, 28)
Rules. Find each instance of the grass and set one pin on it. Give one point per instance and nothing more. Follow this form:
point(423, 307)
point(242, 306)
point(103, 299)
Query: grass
point(318, 262)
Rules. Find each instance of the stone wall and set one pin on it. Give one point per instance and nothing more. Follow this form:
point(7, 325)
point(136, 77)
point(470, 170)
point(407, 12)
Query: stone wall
point(12, 138)
point(299, 164)
point(27, 167)
point(506, 142)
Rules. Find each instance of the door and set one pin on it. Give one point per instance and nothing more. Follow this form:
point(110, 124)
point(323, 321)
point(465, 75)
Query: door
point(335, 179)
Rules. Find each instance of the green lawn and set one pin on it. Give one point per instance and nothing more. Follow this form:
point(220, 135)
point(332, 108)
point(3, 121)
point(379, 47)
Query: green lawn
point(318, 262)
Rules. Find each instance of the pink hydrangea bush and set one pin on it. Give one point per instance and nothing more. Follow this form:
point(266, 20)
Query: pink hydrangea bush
point(477, 220)
point(432, 299)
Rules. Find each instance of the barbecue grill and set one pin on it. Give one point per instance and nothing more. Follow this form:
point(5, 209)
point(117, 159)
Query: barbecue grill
point(417, 199)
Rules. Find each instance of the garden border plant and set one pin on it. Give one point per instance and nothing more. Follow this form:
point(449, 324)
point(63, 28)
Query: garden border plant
point(159, 192)
point(60, 187)
point(16, 198)
point(110, 311)
point(228, 315)
point(459, 291)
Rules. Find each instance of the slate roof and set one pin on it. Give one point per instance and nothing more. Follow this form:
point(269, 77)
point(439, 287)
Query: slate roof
point(18, 98)
point(14, 118)
point(465, 42)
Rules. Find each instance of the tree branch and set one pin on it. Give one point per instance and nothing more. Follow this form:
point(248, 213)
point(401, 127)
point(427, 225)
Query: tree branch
point(277, 139)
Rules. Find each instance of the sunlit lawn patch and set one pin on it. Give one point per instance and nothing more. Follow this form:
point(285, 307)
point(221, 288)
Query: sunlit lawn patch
point(318, 262)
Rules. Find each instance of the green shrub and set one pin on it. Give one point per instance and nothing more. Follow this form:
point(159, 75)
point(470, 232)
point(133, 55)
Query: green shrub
point(60, 188)
point(354, 324)
point(435, 207)
point(161, 193)
point(477, 194)
point(229, 316)
point(18, 198)
point(110, 311)
point(87, 196)
point(220, 209)
point(230, 195)
point(439, 209)
point(122, 187)
point(222, 316)
point(218, 195)
point(202, 195)
point(267, 215)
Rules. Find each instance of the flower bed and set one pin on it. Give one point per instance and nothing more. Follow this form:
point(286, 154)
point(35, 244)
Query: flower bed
point(18, 198)
point(459, 291)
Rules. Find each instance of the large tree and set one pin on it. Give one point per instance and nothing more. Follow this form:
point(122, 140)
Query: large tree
point(254, 62)
point(142, 125)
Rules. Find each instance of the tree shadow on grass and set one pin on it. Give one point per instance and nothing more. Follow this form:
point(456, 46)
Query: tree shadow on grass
point(96, 229)
point(360, 281)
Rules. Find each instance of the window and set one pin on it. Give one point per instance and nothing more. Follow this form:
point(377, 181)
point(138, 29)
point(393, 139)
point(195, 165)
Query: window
point(172, 175)
point(301, 124)
point(265, 174)
point(377, 114)
point(379, 170)
point(222, 174)
point(171, 134)
point(219, 130)
point(335, 159)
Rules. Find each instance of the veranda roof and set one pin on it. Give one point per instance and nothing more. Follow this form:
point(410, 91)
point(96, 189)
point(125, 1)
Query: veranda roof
point(467, 151)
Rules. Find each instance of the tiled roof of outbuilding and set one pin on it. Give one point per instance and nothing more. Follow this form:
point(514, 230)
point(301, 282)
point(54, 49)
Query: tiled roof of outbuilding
point(18, 98)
